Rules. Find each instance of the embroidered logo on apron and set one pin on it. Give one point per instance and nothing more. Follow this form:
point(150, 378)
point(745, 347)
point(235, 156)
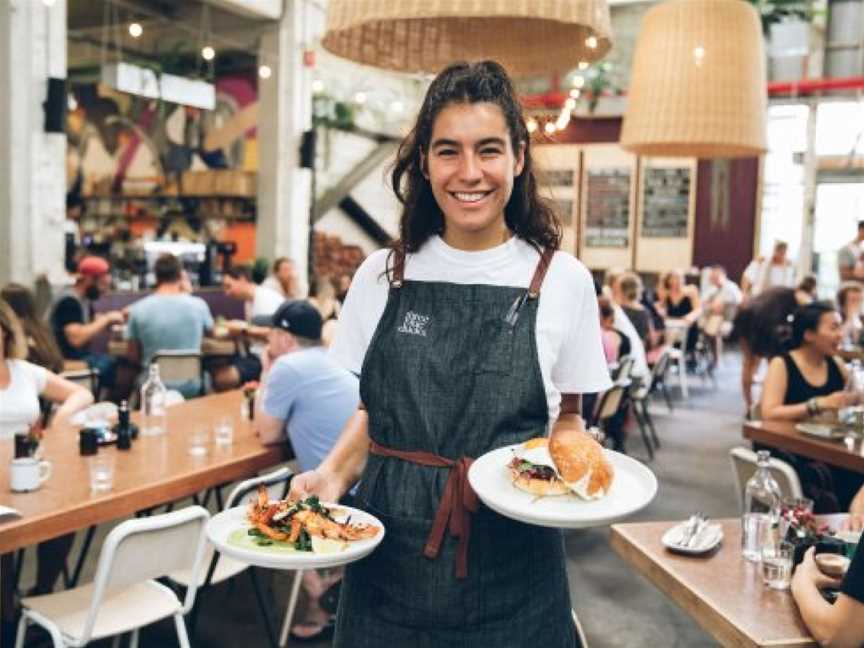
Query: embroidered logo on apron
point(414, 324)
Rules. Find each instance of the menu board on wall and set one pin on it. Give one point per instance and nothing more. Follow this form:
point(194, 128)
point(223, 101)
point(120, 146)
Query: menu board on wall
point(607, 218)
point(558, 187)
point(666, 208)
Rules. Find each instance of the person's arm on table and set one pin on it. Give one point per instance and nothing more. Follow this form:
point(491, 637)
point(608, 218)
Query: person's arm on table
point(696, 302)
point(70, 396)
point(79, 334)
point(840, 625)
point(774, 393)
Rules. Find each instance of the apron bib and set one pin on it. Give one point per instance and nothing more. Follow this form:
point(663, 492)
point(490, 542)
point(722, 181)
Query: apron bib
point(452, 370)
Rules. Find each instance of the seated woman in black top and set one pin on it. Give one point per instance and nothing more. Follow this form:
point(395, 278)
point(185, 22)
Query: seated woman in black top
point(807, 380)
point(681, 302)
point(840, 624)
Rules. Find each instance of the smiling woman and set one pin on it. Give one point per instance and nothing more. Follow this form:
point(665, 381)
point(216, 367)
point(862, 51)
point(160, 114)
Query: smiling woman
point(470, 334)
point(471, 139)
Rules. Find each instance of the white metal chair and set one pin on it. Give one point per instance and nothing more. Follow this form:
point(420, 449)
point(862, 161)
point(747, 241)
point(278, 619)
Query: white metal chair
point(639, 391)
point(744, 465)
point(580, 633)
point(123, 596)
point(180, 366)
point(658, 377)
point(678, 355)
point(87, 378)
point(220, 568)
point(621, 374)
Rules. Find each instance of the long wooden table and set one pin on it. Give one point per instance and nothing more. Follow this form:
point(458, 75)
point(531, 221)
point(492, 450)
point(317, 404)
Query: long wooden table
point(157, 470)
point(722, 592)
point(784, 436)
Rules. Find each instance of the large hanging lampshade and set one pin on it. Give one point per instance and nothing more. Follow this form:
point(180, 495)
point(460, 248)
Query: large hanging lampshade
point(698, 85)
point(526, 36)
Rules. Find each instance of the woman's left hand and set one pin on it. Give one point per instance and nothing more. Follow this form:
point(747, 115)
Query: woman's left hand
point(809, 571)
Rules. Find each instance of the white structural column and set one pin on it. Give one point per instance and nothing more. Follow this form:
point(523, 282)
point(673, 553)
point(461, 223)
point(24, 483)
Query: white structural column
point(284, 113)
point(32, 162)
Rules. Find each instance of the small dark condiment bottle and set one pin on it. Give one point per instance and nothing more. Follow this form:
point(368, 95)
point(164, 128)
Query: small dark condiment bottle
point(124, 432)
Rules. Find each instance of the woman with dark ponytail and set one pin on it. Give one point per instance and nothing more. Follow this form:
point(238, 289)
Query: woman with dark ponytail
point(471, 333)
point(807, 379)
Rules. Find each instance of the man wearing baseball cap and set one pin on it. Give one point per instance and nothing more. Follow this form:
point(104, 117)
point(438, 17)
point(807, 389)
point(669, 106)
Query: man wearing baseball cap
point(74, 323)
point(308, 398)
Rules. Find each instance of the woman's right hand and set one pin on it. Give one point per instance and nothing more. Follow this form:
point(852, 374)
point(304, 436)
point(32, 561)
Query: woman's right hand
point(836, 400)
point(313, 482)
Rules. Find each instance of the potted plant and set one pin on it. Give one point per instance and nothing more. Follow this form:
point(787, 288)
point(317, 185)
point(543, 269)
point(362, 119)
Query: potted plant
point(786, 25)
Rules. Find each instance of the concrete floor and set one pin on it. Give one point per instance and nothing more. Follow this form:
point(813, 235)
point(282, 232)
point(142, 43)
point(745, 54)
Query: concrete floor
point(617, 607)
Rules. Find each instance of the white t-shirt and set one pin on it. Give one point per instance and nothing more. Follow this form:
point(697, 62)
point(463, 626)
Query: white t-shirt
point(767, 275)
point(637, 349)
point(568, 324)
point(19, 402)
point(266, 302)
point(272, 283)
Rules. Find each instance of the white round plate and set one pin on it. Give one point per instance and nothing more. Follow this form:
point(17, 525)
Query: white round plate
point(223, 524)
point(632, 489)
point(708, 539)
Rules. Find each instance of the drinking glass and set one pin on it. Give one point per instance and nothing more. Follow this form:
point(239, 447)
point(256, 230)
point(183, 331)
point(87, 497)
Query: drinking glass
point(777, 565)
point(223, 432)
point(198, 439)
point(101, 467)
point(755, 532)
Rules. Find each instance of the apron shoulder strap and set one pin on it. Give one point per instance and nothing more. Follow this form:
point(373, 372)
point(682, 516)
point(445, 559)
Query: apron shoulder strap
point(397, 274)
point(540, 273)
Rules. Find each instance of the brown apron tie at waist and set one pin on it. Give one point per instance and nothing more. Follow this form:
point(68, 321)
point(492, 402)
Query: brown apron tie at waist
point(457, 504)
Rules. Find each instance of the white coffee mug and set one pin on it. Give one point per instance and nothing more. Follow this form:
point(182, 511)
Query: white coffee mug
point(28, 474)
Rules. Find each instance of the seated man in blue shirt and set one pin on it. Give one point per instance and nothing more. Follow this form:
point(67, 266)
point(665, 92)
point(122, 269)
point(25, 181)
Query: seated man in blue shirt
point(168, 320)
point(308, 398)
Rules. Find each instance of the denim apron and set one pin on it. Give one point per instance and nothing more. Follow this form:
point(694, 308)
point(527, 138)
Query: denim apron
point(451, 373)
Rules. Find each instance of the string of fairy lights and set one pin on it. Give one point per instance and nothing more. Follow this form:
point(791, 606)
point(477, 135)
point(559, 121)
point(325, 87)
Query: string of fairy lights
point(552, 126)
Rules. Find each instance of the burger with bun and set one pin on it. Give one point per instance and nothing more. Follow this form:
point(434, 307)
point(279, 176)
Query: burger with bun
point(569, 461)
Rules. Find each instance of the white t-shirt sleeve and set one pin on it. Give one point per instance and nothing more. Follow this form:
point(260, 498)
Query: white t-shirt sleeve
point(35, 374)
point(580, 367)
point(364, 305)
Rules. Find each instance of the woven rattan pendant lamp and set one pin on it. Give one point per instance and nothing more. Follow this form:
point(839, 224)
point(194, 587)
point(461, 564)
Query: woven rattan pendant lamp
point(526, 36)
point(698, 85)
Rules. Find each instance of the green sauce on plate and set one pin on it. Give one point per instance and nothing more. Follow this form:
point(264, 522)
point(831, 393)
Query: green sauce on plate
point(241, 538)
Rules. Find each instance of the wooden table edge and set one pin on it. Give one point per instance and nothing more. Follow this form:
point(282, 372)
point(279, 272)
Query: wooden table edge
point(799, 445)
point(88, 513)
point(713, 622)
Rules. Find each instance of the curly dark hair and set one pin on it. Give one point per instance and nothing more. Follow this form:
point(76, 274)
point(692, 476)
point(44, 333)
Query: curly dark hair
point(527, 214)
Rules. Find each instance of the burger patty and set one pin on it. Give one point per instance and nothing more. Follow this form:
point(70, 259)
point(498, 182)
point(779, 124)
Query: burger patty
point(531, 470)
